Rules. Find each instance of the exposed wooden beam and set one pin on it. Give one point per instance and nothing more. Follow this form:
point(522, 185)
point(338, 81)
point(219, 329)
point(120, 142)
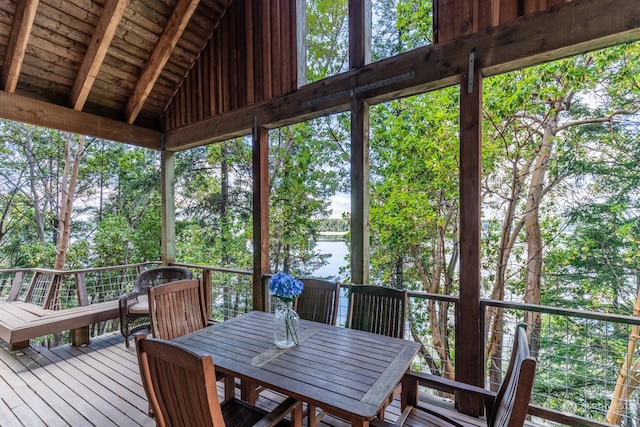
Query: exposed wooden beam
point(260, 215)
point(40, 113)
point(469, 347)
point(159, 57)
point(168, 217)
point(359, 56)
point(18, 40)
point(575, 27)
point(96, 51)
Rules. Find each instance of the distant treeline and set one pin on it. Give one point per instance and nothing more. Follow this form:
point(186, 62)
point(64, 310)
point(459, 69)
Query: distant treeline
point(333, 224)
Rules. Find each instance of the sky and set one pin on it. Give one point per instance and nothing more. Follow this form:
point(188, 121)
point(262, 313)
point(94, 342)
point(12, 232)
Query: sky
point(340, 203)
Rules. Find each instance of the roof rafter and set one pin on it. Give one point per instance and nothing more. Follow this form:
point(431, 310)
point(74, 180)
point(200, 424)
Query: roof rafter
point(42, 113)
point(96, 52)
point(18, 40)
point(161, 53)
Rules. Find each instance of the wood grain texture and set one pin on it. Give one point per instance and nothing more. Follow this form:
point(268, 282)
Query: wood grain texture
point(345, 372)
point(540, 38)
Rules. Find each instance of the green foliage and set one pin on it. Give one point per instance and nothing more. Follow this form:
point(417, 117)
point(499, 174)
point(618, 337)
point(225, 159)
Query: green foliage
point(327, 38)
point(414, 187)
point(332, 225)
point(306, 173)
point(400, 26)
point(37, 255)
point(112, 241)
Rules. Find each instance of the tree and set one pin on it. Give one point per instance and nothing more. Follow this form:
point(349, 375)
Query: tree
point(69, 181)
point(533, 115)
point(304, 176)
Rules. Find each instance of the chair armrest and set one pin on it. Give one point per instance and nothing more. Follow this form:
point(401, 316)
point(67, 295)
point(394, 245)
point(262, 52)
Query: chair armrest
point(412, 379)
point(123, 300)
point(123, 304)
point(447, 385)
point(278, 414)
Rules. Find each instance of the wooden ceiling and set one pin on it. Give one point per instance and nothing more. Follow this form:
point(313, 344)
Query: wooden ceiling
point(116, 59)
point(176, 74)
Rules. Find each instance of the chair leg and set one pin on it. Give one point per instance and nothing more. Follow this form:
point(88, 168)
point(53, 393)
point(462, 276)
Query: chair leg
point(248, 392)
point(229, 388)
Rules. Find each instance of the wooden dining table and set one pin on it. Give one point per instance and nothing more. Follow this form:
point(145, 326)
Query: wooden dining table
point(345, 372)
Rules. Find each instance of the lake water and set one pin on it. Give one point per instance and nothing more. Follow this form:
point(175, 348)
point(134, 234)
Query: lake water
point(338, 251)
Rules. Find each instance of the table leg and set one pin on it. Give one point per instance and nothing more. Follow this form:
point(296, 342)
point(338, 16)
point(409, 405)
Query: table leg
point(248, 391)
point(314, 416)
point(359, 422)
point(297, 415)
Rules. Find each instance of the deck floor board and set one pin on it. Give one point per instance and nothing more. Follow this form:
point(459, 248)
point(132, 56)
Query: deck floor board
point(97, 385)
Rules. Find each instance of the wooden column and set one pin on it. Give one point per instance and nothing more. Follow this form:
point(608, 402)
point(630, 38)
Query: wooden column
point(260, 214)
point(359, 55)
point(168, 182)
point(359, 192)
point(301, 42)
point(469, 349)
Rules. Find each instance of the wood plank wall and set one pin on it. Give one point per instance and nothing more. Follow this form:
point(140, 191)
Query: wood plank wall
point(240, 68)
point(457, 18)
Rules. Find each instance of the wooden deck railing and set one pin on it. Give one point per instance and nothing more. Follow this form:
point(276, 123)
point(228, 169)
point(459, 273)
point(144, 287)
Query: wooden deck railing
point(579, 352)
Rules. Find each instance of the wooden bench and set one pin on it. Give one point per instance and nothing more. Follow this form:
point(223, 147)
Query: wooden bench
point(21, 321)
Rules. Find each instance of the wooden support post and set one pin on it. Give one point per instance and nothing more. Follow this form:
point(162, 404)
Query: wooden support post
point(469, 348)
point(360, 192)
point(80, 336)
point(359, 55)
point(359, 33)
point(260, 214)
point(301, 42)
point(16, 286)
point(18, 345)
point(168, 182)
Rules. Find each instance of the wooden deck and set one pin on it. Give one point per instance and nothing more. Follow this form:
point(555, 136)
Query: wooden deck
point(97, 385)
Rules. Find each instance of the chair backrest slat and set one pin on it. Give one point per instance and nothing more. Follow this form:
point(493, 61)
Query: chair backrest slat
point(180, 384)
point(378, 309)
point(176, 308)
point(318, 301)
point(512, 399)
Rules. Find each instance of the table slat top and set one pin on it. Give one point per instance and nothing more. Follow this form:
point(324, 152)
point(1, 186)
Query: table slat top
point(341, 370)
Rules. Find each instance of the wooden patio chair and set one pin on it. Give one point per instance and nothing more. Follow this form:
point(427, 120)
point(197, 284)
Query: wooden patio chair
point(506, 408)
point(378, 309)
point(181, 389)
point(318, 301)
point(134, 306)
point(177, 308)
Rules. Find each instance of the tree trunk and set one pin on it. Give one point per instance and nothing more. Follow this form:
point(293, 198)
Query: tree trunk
point(34, 196)
point(495, 316)
point(224, 204)
point(534, 235)
point(437, 322)
point(628, 377)
point(68, 188)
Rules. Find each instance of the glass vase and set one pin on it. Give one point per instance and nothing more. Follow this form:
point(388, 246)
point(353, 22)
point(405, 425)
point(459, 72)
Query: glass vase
point(286, 325)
